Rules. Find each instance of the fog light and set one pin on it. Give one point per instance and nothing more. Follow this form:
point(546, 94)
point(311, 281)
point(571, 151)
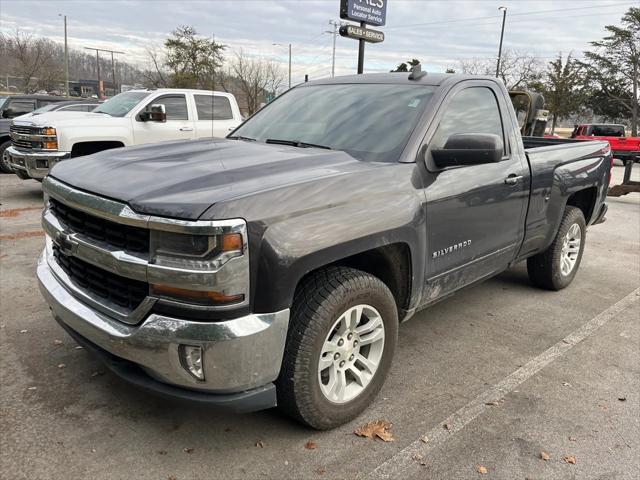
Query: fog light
point(191, 359)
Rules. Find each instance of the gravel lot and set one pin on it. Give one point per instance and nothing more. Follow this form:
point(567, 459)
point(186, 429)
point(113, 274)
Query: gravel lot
point(488, 379)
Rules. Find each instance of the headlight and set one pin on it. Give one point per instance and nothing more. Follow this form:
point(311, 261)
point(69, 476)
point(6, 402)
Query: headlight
point(194, 252)
point(192, 268)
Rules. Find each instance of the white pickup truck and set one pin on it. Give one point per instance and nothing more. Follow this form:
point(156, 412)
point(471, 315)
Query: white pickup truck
point(135, 117)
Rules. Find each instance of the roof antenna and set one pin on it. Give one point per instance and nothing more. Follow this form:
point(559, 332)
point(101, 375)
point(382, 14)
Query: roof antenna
point(416, 72)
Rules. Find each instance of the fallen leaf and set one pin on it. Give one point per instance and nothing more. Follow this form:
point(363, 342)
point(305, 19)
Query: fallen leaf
point(622, 399)
point(286, 462)
point(97, 373)
point(424, 439)
point(61, 365)
point(420, 459)
point(24, 331)
point(493, 403)
point(377, 428)
point(172, 477)
point(544, 456)
point(32, 388)
point(260, 444)
point(188, 450)
point(78, 348)
point(321, 471)
point(573, 439)
point(569, 459)
point(603, 407)
point(162, 452)
point(447, 426)
point(227, 429)
point(481, 469)
point(93, 450)
point(310, 445)
point(566, 384)
point(57, 342)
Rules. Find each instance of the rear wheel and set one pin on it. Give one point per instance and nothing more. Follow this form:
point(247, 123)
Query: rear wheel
point(556, 267)
point(341, 340)
point(4, 159)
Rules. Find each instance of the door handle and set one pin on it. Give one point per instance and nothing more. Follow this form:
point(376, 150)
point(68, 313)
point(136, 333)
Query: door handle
point(513, 179)
point(186, 129)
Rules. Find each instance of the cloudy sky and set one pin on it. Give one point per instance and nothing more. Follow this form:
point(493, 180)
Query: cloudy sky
point(439, 32)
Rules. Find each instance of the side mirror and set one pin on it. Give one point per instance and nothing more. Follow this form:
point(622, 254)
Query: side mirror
point(154, 113)
point(469, 149)
point(8, 113)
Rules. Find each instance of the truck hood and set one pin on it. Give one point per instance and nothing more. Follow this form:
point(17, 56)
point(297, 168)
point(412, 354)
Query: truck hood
point(67, 119)
point(183, 179)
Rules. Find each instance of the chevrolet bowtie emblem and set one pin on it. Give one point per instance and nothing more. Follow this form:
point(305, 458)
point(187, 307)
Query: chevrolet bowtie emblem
point(66, 243)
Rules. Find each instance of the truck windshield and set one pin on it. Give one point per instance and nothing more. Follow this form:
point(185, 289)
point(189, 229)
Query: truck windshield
point(368, 121)
point(121, 104)
point(607, 131)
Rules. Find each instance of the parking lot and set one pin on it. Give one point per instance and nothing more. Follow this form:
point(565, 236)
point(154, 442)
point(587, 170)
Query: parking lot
point(483, 384)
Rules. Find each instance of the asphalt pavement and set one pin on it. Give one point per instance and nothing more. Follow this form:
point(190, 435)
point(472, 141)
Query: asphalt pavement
point(484, 385)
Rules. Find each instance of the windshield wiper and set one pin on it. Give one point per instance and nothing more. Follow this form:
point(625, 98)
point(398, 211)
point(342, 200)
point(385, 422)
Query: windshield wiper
point(240, 137)
point(296, 143)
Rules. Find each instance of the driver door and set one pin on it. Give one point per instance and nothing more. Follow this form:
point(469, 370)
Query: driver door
point(475, 213)
point(180, 123)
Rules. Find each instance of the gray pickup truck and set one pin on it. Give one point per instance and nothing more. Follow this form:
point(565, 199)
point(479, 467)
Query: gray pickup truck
point(274, 267)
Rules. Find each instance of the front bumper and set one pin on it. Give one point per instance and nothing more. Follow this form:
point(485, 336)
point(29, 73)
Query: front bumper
point(242, 357)
point(34, 165)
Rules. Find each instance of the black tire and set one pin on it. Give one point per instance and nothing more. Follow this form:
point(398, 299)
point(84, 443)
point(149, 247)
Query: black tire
point(544, 269)
point(318, 303)
point(4, 164)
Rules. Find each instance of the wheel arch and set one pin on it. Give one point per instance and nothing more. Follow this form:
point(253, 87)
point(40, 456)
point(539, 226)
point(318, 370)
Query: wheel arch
point(393, 258)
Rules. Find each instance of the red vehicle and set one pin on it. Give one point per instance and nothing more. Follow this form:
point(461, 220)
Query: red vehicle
point(624, 148)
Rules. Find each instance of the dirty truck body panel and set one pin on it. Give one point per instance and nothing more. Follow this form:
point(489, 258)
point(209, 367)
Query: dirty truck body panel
point(302, 208)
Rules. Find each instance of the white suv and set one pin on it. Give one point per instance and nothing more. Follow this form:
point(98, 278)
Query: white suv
point(131, 118)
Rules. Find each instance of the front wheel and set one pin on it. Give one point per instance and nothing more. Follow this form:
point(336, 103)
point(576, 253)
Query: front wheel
point(4, 158)
point(342, 336)
point(556, 267)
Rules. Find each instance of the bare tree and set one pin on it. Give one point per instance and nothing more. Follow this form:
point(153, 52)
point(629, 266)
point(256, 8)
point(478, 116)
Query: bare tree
point(517, 69)
point(251, 79)
point(155, 75)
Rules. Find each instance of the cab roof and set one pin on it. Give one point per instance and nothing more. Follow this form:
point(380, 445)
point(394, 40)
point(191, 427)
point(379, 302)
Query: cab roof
point(398, 78)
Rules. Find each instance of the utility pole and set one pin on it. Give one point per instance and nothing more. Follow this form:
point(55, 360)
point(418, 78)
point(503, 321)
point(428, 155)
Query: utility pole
point(66, 57)
point(113, 68)
point(281, 45)
point(504, 17)
point(289, 66)
point(336, 25)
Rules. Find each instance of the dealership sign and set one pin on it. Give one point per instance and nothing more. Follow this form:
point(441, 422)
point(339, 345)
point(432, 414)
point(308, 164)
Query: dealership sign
point(372, 12)
point(359, 33)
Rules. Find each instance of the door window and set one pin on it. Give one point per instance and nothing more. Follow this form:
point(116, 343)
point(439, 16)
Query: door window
point(20, 108)
point(213, 107)
point(175, 106)
point(473, 110)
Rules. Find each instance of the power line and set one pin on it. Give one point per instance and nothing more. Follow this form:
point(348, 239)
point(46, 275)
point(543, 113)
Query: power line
point(494, 17)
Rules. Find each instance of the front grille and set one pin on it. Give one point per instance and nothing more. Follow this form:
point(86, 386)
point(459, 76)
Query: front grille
point(26, 130)
point(126, 237)
point(23, 143)
point(121, 291)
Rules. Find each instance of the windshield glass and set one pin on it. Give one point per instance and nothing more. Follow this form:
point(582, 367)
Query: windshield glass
point(121, 104)
point(46, 108)
point(368, 121)
point(2, 100)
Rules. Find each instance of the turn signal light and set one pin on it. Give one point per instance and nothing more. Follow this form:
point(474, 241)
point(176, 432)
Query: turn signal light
point(201, 297)
point(50, 145)
point(231, 242)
